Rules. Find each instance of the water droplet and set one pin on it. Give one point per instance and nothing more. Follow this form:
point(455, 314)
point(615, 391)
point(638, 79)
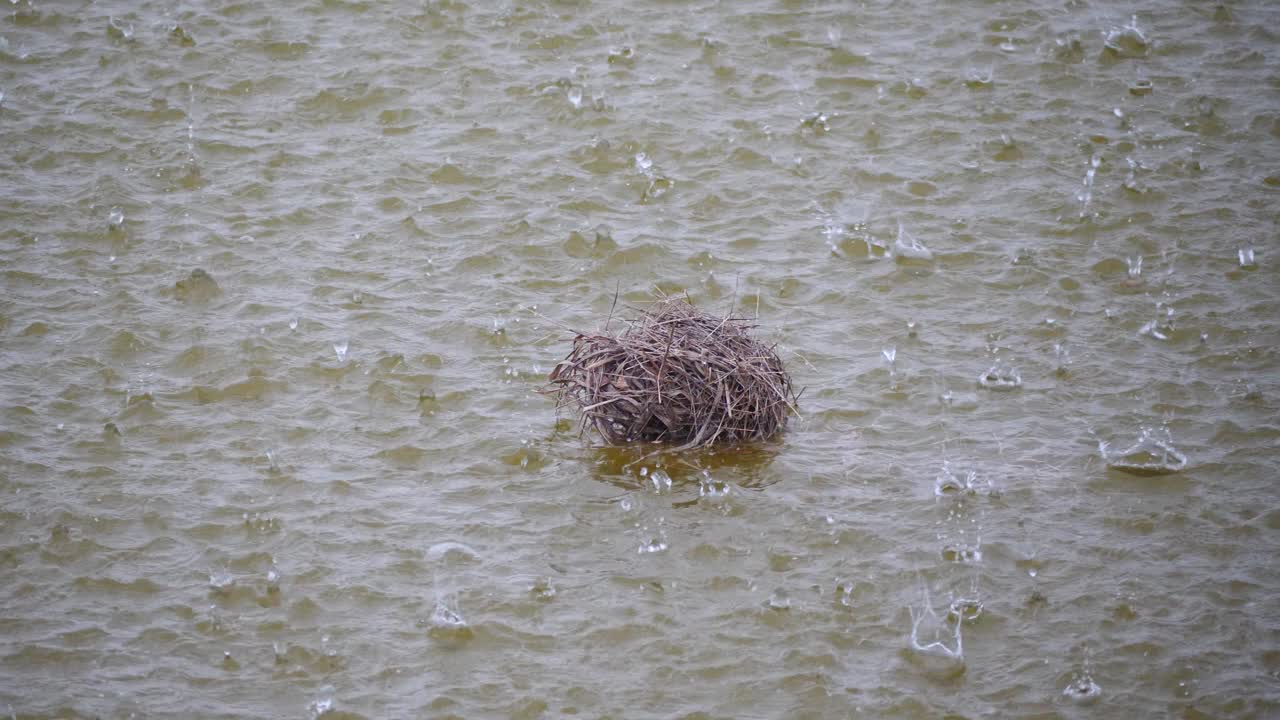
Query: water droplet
point(652, 545)
point(661, 482)
point(1061, 358)
point(1245, 254)
point(293, 324)
point(711, 488)
point(340, 349)
point(1000, 377)
point(1152, 454)
point(322, 704)
point(934, 638)
point(543, 589)
point(643, 163)
point(908, 247)
point(1083, 691)
point(1135, 267)
point(115, 218)
point(779, 600)
point(575, 96)
point(1128, 41)
point(964, 610)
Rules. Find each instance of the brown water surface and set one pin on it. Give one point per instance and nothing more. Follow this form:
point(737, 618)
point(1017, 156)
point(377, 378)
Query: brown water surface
point(280, 282)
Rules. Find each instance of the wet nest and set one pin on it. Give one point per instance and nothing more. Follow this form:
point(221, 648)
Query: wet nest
point(676, 375)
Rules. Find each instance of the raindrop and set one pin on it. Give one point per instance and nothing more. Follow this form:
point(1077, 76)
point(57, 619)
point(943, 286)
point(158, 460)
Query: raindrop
point(1152, 454)
point(931, 638)
point(1245, 254)
point(322, 704)
point(655, 543)
point(446, 618)
point(115, 218)
point(1000, 377)
point(909, 248)
point(1128, 41)
point(1135, 267)
point(340, 349)
point(711, 488)
point(543, 589)
point(661, 482)
point(643, 163)
point(1061, 358)
point(293, 324)
point(1082, 691)
point(964, 610)
point(575, 96)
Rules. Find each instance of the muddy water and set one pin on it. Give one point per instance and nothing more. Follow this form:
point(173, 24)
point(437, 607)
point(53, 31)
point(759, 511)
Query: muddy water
point(280, 282)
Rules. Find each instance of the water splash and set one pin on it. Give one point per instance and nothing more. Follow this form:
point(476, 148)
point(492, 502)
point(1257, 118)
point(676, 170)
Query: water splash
point(115, 219)
point(1082, 690)
point(1128, 41)
point(660, 481)
point(1061, 358)
point(1085, 196)
point(652, 542)
point(1161, 327)
point(575, 97)
point(1245, 255)
point(966, 483)
point(340, 349)
point(712, 489)
point(907, 247)
point(542, 589)
point(1152, 454)
point(451, 550)
point(936, 640)
point(890, 355)
point(779, 600)
point(1134, 267)
point(964, 610)
point(321, 705)
point(1000, 377)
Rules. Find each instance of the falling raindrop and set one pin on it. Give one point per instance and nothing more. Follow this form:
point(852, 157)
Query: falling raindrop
point(1245, 254)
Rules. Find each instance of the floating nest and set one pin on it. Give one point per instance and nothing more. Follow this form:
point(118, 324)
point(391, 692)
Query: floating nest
point(676, 375)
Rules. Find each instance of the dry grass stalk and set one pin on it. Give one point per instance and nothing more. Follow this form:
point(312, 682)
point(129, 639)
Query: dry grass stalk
point(676, 375)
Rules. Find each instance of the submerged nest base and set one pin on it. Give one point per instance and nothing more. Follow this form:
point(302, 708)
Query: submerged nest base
point(676, 375)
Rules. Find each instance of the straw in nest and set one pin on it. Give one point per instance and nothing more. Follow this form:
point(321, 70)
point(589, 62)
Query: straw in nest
point(676, 375)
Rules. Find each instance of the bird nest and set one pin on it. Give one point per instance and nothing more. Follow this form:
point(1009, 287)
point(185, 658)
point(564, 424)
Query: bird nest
point(676, 375)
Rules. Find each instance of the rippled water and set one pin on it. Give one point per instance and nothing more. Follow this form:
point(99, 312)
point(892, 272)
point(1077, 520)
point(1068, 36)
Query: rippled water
point(281, 282)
